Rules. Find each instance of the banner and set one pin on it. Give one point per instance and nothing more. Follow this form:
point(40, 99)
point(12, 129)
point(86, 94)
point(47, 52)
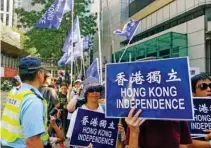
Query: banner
point(202, 117)
point(161, 88)
point(93, 127)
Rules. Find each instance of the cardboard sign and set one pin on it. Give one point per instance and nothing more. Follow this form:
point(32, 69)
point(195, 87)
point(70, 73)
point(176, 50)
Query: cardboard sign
point(161, 88)
point(93, 127)
point(202, 117)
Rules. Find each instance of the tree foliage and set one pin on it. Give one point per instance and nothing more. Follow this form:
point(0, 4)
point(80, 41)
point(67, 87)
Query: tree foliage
point(49, 42)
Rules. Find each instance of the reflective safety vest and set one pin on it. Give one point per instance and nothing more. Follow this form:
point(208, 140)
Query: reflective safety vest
point(10, 125)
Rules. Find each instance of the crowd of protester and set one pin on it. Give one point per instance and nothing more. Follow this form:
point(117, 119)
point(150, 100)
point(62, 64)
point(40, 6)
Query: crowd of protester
point(64, 99)
point(135, 132)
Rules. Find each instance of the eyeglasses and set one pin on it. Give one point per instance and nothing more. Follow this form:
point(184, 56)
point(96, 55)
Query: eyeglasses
point(204, 86)
point(95, 89)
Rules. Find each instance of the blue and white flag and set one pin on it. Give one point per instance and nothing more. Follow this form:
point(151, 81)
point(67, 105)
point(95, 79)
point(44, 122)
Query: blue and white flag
point(76, 35)
point(80, 75)
point(63, 59)
point(93, 70)
point(128, 29)
point(53, 16)
point(86, 42)
point(77, 52)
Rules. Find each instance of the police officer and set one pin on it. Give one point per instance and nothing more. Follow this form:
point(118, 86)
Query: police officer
point(24, 117)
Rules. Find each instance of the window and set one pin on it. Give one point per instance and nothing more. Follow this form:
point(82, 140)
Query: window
point(160, 29)
point(2, 17)
point(2, 60)
point(175, 50)
point(198, 13)
point(182, 20)
point(167, 26)
point(154, 54)
point(8, 5)
point(2, 5)
point(7, 19)
point(174, 23)
point(171, 23)
point(208, 14)
point(189, 17)
point(165, 53)
point(137, 5)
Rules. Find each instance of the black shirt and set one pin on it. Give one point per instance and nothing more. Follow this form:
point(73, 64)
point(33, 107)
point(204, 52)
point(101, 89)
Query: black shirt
point(49, 94)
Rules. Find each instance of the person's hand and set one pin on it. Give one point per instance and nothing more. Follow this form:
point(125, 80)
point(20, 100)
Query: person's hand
point(134, 122)
point(208, 136)
point(101, 101)
point(120, 128)
point(121, 131)
point(52, 121)
point(59, 113)
point(70, 88)
point(89, 146)
point(65, 106)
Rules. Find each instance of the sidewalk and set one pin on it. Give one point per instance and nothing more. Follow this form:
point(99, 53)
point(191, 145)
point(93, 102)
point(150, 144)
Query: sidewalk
point(3, 99)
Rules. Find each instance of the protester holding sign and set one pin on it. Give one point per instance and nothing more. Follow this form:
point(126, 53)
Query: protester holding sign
point(201, 87)
point(91, 91)
point(162, 90)
point(156, 134)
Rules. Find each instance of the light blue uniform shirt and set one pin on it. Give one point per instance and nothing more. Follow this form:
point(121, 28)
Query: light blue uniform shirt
point(32, 117)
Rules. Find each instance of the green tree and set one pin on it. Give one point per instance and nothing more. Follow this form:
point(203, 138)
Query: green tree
point(49, 42)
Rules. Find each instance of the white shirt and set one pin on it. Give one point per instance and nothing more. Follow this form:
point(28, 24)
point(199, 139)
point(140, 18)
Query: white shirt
point(74, 115)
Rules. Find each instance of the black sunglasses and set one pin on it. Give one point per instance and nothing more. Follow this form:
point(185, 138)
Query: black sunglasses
point(204, 86)
point(95, 89)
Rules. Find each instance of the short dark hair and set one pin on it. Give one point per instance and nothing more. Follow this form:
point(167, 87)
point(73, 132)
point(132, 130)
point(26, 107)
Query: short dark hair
point(63, 84)
point(28, 76)
point(47, 75)
point(196, 78)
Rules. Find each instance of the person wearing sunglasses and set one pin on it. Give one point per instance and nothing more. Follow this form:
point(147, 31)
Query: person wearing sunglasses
point(201, 87)
point(91, 92)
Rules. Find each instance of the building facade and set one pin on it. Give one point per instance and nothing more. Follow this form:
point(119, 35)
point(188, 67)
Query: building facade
point(7, 10)
point(168, 28)
point(11, 51)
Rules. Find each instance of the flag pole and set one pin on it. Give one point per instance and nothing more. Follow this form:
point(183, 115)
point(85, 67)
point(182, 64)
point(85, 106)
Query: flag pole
point(82, 57)
point(71, 68)
point(111, 35)
point(99, 44)
point(129, 42)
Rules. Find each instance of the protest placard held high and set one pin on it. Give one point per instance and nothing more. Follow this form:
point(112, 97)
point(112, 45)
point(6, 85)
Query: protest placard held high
point(161, 88)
